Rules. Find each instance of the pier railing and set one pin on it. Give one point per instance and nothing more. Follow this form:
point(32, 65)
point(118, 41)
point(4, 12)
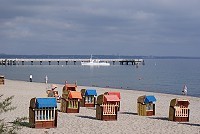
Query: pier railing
point(74, 61)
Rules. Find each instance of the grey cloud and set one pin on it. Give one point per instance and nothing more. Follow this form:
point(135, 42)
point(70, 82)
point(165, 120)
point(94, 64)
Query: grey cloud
point(131, 27)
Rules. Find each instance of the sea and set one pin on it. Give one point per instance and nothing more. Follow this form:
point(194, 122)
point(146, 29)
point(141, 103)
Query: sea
point(163, 75)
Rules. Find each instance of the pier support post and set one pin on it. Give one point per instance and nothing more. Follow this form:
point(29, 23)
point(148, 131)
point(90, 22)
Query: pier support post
point(113, 62)
point(40, 62)
point(66, 62)
point(14, 62)
point(74, 62)
point(22, 62)
point(58, 62)
point(49, 62)
point(143, 62)
point(31, 62)
point(8, 62)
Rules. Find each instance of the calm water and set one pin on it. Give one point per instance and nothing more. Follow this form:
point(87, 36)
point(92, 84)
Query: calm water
point(157, 75)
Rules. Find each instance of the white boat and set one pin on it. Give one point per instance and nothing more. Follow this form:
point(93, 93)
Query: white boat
point(95, 62)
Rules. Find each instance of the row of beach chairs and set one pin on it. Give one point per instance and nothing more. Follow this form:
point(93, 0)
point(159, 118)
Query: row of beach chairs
point(43, 112)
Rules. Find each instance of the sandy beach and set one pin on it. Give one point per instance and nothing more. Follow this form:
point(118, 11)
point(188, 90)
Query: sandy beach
point(85, 122)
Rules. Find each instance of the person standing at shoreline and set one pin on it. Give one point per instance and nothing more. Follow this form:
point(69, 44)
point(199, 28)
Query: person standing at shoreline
point(184, 91)
point(46, 79)
point(31, 77)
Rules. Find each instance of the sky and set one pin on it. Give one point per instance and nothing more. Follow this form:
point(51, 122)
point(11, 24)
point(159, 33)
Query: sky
point(100, 27)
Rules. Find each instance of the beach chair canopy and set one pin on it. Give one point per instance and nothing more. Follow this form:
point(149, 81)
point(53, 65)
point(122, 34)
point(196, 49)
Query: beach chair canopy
point(83, 92)
point(111, 98)
point(115, 93)
point(100, 99)
point(75, 95)
point(150, 99)
point(146, 99)
point(46, 102)
point(90, 92)
point(70, 87)
point(141, 99)
point(178, 102)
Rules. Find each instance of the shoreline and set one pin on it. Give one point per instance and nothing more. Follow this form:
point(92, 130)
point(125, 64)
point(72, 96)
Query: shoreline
point(110, 87)
point(85, 122)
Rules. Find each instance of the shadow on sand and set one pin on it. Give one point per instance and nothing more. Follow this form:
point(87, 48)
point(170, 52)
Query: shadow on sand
point(183, 123)
point(130, 113)
point(159, 118)
point(87, 117)
point(190, 124)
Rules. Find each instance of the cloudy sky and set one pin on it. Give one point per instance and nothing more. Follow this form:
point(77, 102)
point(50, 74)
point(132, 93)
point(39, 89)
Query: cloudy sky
point(119, 27)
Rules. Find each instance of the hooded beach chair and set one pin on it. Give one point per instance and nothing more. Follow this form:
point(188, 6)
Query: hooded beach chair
point(43, 112)
point(146, 105)
point(67, 88)
point(71, 104)
point(106, 108)
point(88, 97)
point(118, 95)
point(178, 110)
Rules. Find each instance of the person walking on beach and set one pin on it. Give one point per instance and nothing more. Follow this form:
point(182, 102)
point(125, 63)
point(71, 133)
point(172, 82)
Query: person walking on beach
point(184, 91)
point(31, 77)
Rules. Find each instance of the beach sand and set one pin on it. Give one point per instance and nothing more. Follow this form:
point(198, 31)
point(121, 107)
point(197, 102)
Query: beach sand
point(85, 122)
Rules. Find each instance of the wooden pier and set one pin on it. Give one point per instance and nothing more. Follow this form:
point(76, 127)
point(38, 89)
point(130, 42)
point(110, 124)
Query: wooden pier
point(67, 61)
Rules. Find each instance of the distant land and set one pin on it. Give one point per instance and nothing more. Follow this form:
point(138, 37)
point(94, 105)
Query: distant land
point(5, 56)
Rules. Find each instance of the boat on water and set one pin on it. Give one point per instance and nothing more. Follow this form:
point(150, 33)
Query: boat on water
point(95, 62)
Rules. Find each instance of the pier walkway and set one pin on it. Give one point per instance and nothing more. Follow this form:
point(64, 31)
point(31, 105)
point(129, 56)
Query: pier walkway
point(66, 61)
